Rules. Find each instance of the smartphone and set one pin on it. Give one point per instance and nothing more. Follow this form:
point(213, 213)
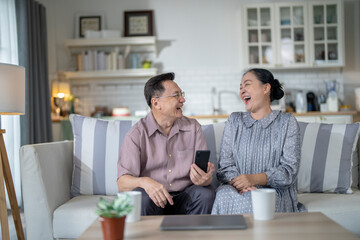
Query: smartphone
point(202, 159)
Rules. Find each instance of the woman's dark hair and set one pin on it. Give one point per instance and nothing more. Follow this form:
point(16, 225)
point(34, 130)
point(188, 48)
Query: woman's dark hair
point(266, 76)
point(154, 86)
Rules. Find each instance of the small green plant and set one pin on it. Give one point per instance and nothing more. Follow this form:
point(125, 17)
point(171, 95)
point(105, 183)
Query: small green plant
point(119, 207)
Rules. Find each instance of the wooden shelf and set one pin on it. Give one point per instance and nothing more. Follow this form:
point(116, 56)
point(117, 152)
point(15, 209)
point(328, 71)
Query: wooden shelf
point(100, 42)
point(128, 73)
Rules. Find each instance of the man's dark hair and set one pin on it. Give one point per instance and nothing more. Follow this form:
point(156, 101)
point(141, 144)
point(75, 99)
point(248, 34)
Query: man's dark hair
point(154, 86)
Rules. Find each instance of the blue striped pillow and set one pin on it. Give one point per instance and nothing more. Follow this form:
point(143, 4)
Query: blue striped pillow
point(96, 151)
point(327, 153)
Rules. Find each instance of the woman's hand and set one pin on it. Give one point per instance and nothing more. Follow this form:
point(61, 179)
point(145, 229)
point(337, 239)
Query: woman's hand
point(242, 182)
point(247, 182)
point(199, 177)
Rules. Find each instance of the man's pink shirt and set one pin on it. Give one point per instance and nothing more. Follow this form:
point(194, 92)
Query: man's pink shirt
point(148, 152)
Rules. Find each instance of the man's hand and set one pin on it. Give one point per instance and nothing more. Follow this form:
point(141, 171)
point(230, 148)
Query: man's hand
point(157, 192)
point(199, 177)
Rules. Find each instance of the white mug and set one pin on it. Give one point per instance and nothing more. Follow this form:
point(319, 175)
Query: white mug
point(135, 214)
point(263, 203)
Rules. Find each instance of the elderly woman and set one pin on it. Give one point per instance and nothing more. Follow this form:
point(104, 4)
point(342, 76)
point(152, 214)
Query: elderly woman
point(260, 148)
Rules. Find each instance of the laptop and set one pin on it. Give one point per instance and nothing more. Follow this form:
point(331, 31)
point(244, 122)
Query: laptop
point(203, 222)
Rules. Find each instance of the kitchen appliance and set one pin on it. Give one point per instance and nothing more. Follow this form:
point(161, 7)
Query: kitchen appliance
point(331, 85)
point(278, 104)
point(332, 101)
point(121, 112)
point(301, 102)
point(357, 99)
point(332, 96)
point(311, 102)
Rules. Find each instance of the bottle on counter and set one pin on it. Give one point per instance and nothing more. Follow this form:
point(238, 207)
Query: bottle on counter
point(332, 101)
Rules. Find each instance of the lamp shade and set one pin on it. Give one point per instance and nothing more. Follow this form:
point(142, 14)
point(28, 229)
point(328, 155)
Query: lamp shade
point(12, 89)
point(59, 87)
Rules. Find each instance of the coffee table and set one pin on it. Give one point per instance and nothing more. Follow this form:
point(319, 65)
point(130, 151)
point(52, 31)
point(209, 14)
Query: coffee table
point(312, 225)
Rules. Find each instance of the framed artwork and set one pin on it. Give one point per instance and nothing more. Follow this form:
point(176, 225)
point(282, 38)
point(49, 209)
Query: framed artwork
point(85, 22)
point(138, 23)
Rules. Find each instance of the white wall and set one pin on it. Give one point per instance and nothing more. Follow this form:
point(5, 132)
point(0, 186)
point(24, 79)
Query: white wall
point(352, 50)
point(200, 40)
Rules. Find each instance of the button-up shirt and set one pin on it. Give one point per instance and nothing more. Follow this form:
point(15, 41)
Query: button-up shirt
point(148, 152)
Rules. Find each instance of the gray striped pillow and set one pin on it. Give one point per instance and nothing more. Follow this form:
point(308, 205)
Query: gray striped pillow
point(213, 134)
point(96, 150)
point(327, 157)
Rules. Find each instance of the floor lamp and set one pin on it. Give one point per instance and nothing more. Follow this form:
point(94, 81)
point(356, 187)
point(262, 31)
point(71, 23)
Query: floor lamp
point(12, 102)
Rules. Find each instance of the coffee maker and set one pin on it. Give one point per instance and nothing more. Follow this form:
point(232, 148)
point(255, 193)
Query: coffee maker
point(312, 104)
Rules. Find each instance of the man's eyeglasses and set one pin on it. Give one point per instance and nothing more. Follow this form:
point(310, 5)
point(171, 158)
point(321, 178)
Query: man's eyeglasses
point(175, 95)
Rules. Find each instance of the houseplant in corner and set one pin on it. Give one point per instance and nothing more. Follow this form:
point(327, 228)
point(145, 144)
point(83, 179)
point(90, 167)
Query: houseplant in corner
point(112, 216)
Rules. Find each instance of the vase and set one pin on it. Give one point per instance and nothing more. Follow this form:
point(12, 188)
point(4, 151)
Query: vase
point(113, 228)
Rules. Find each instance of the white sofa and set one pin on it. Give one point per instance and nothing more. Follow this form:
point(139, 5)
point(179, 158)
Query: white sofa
point(50, 212)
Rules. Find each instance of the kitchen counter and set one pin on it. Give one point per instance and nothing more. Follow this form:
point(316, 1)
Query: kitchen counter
point(320, 117)
point(293, 113)
point(325, 113)
point(209, 116)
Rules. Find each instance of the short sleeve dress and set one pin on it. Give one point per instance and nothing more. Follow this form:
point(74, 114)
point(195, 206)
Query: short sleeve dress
point(270, 145)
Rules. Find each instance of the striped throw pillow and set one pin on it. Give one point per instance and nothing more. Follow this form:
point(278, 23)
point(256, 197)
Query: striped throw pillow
point(327, 153)
point(96, 150)
point(213, 134)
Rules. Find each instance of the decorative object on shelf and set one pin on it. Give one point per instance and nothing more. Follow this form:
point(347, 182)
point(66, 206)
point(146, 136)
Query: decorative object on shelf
point(105, 33)
point(112, 216)
point(12, 102)
point(146, 63)
point(93, 22)
point(61, 97)
point(138, 23)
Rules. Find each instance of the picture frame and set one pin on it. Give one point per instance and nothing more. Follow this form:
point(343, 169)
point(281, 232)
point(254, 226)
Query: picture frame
point(89, 21)
point(138, 23)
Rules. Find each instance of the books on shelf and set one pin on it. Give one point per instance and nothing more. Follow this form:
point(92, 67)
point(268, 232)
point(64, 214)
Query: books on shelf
point(97, 60)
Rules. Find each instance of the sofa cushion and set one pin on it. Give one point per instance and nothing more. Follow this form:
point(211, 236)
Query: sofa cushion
point(327, 153)
point(342, 208)
point(96, 150)
point(73, 217)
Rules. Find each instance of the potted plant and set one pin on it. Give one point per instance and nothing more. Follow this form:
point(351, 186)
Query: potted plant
point(112, 216)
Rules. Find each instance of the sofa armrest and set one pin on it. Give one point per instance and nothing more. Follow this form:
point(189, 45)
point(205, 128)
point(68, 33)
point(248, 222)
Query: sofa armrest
point(46, 173)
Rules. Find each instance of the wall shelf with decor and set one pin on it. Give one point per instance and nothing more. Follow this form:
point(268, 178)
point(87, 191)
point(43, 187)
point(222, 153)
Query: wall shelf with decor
point(103, 58)
point(294, 35)
point(121, 73)
point(72, 44)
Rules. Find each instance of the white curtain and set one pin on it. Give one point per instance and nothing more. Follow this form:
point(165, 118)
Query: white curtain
point(9, 54)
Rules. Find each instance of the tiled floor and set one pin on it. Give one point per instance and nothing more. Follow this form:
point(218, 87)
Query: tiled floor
point(12, 226)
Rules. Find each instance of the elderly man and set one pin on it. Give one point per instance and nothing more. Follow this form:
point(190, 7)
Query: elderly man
point(157, 155)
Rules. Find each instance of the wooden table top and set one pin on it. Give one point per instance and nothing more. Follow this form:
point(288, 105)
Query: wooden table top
point(313, 225)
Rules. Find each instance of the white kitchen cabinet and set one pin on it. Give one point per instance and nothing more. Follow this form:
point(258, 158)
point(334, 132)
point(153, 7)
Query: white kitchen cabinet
point(114, 48)
point(326, 33)
point(293, 35)
point(259, 34)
